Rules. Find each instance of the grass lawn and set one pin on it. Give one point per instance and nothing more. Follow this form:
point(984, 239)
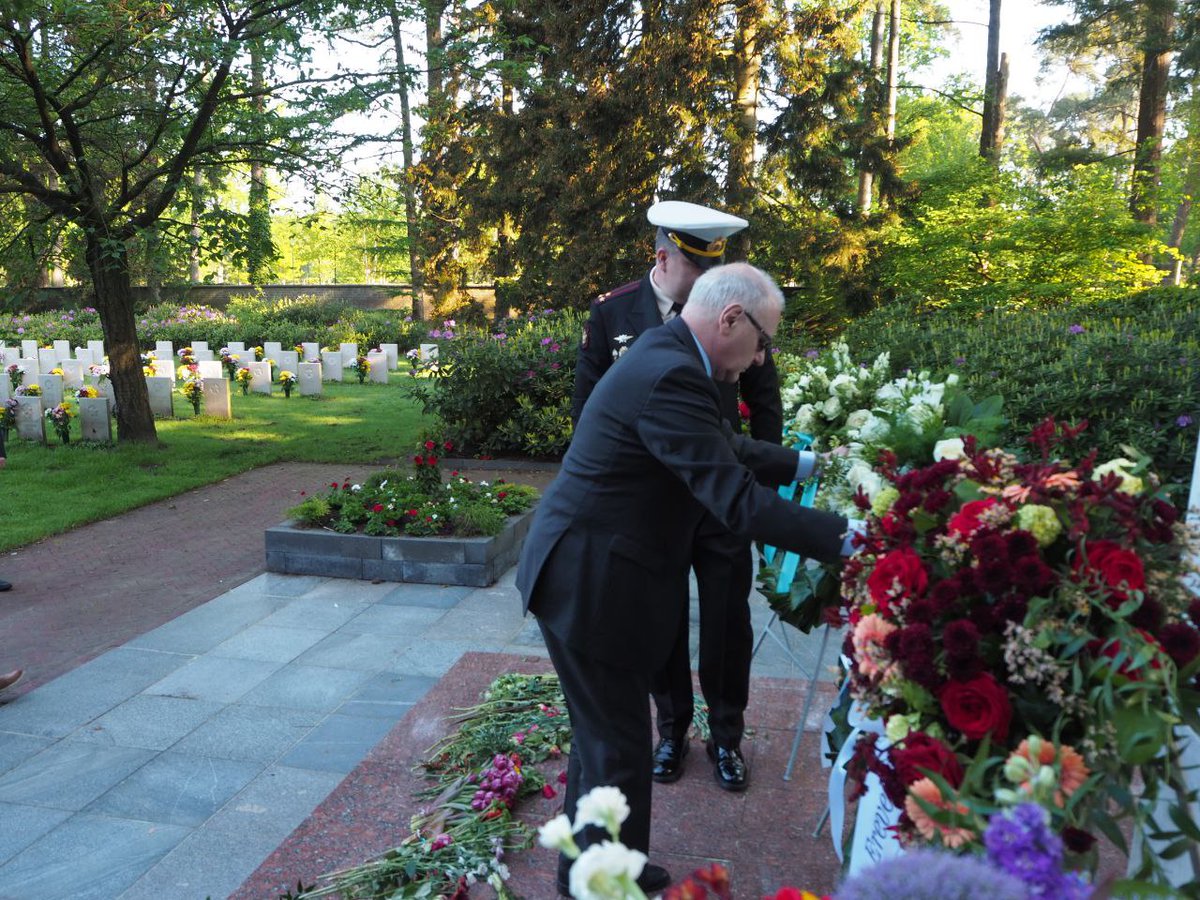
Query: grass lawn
point(48, 490)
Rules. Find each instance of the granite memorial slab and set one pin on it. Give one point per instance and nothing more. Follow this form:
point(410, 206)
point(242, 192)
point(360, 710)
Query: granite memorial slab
point(29, 348)
point(428, 352)
point(272, 349)
point(164, 349)
point(217, 402)
point(379, 367)
point(349, 353)
point(52, 390)
point(47, 358)
point(205, 355)
point(287, 361)
point(260, 377)
point(31, 424)
point(211, 368)
point(62, 349)
point(199, 345)
point(162, 396)
point(331, 365)
point(312, 351)
point(73, 371)
point(97, 349)
point(95, 419)
point(309, 379)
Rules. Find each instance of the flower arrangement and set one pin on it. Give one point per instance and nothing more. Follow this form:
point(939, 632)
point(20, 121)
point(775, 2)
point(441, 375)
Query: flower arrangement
point(187, 356)
point(8, 414)
point(87, 392)
point(1023, 631)
point(259, 354)
point(60, 417)
point(15, 375)
point(242, 376)
point(361, 367)
point(606, 870)
point(29, 390)
point(56, 371)
point(191, 370)
point(230, 362)
point(99, 371)
point(193, 391)
point(148, 364)
point(288, 381)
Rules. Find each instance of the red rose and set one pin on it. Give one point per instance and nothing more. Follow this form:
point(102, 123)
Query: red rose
point(502, 495)
point(378, 507)
point(431, 460)
point(447, 446)
point(966, 522)
point(418, 460)
point(549, 792)
point(430, 445)
point(920, 751)
point(897, 574)
point(1120, 570)
point(977, 707)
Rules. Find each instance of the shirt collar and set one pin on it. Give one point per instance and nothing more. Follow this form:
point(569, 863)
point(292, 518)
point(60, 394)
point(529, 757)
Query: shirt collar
point(703, 356)
point(663, 302)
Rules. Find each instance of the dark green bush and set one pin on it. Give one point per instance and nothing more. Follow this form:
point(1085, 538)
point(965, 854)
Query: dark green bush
point(507, 391)
point(1130, 366)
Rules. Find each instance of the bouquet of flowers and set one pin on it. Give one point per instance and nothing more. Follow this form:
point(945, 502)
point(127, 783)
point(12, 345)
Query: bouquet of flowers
point(8, 414)
point(821, 390)
point(29, 390)
point(187, 356)
point(288, 380)
point(148, 364)
point(1023, 631)
point(230, 362)
point(362, 368)
point(193, 391)
point(99, 371)
point(15, 375)
point(87, 392)
point(56, 371)
point(259, 353)
point(242, 376)
point(60, 417)
point(191, 370)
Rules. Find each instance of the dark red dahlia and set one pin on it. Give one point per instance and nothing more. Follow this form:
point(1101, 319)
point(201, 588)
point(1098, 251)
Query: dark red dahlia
point(1181, 641)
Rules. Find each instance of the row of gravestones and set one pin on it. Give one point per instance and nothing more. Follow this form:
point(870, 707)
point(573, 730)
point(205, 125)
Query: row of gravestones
point(95, 418)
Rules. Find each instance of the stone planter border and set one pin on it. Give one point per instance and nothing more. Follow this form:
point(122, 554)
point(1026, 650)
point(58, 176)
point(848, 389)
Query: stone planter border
point(472, 561)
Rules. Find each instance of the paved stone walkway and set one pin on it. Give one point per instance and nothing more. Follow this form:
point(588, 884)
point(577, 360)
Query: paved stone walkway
point(186, 720)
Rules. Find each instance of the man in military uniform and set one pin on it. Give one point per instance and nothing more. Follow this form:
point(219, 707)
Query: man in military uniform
point(691, 239)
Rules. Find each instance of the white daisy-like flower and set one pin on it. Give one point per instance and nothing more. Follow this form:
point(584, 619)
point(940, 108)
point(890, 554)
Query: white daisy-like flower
point(603, 806)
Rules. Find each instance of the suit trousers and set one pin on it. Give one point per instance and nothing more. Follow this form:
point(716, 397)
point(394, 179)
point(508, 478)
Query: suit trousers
point(611, 741)
point(724, 574)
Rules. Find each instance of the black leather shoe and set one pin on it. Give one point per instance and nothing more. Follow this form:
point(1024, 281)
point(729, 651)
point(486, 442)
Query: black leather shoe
point(5, 586)
point(668, 760)
point(729, 767)
point(652, 880)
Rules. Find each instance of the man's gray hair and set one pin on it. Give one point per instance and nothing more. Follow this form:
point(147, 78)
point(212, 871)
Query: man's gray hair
point(739, 283)
point(662, 242)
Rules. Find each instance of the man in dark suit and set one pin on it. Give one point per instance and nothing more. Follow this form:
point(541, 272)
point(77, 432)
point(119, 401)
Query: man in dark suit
point(690, 240)
point(605, 565)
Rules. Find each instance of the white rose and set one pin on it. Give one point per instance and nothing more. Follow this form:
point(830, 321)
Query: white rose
point(831, 408)
point(843, 386)
point(804, 419)
point(597, 874)
point(890, 391)
point(875, 430)
point(923, 415)
point(858, 419)
point(950, 448)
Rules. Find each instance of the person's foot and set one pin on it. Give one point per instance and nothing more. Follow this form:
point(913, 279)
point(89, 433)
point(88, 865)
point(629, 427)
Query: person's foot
point(729, 767)
point(7, 681)
point(653, 880)
point(5, 586)
point(668, 760)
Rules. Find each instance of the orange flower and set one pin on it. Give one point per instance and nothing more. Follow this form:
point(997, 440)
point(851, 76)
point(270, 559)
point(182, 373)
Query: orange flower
point(1072, 773)
point(1067, 481)
point(926, 790)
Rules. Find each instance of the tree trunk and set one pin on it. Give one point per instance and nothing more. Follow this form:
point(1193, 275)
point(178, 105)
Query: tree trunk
point(866, 175)
point(109, 267)
point(1152, 110)
point(259, 253)
point(196, 204)
point(893, 68)
point(747, 70)
point(406, 142)
point(989, 147)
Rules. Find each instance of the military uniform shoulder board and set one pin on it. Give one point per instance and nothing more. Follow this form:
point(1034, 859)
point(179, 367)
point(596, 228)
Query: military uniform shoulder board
point(617, 292)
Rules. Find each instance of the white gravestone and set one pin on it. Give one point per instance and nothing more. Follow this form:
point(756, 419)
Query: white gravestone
point(84, 355)
point(52, 390)
point(210, 368)
point(31, 424)
point(379, 367)
point(272, 349)
point(331, 365)
point(429, 352)
point(97, 348)
point(62, 349)
point(312, 351)
point(163, 368)
point(205, 355)
point(28, 365)
point(29, 348)
point(260, 377)
point(5, 350)
point(164, 349)
point(236, 348)
point(287, 361)
point(349, 354)
point(162, 396)
point(199, 345)
point(393, 354)
point(94, 420)
point(47, 358)
point(216, 398)
point(5, 387)
point(104, 386)
point(73, 371)
point(309, 379)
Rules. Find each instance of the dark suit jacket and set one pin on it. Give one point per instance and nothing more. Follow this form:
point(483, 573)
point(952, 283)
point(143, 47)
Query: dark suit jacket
point(605, 563)
point(615, 321)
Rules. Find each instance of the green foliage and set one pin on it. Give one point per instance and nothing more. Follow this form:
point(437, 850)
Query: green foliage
point(978, 238)
point(1130, 366)
point(506, 394)
point(311, 511)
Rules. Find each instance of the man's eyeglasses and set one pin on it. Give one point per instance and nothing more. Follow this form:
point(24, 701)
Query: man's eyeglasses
point(764, 339)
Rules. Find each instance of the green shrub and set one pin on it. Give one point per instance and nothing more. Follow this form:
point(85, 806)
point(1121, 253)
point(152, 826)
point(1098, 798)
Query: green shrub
point(507, 391)
point(310, 512)
point(1130, 366)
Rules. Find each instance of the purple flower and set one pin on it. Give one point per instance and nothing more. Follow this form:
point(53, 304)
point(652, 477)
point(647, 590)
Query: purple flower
point(812, 354)
point(930, 875)
point(1077, 329)
point(546, 341)
point(960, 360)
point(1184, 421)
point(1021, 843)
point(20, 331)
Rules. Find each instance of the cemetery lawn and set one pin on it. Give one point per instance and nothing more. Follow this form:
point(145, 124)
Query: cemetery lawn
point(49, 490)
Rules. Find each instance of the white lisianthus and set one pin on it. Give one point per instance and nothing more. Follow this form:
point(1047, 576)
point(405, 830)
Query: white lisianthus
point(1130, 484)
point(603, 806)
point(874, 430)
point(923, 415)
point(857, 419)
point(843, 386)
point(606, 871)
point(806, 418)
point(950, 448)
point(893, 390)
point(831, 408)
point(557, 834)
